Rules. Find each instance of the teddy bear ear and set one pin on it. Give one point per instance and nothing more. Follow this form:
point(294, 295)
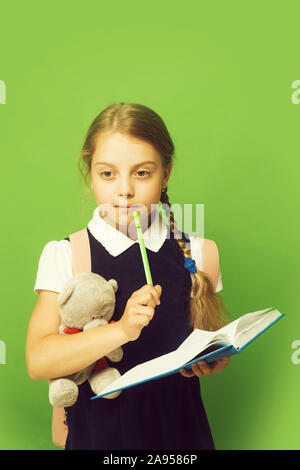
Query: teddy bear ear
point(66, 293)
point(114, 284)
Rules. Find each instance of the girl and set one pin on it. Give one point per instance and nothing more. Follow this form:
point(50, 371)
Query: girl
point(127, 159)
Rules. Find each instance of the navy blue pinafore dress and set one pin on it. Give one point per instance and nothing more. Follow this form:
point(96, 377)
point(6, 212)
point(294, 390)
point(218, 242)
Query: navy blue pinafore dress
point(161, 414)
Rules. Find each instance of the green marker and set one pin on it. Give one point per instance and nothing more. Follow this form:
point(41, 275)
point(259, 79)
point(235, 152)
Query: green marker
point(142, 247)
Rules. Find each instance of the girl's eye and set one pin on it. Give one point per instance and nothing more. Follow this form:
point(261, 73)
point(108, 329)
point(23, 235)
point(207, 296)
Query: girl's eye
point(139, 171)
point(144, 171)
point(105, 172)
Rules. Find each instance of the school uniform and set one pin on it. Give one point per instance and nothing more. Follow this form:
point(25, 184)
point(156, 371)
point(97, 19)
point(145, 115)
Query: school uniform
point(162, 414)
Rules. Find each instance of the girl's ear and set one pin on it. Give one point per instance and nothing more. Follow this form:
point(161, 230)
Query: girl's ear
point(167, 174)
point(114, 284)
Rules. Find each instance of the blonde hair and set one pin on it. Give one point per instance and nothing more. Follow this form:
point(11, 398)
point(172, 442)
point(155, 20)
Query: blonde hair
point(143, 123)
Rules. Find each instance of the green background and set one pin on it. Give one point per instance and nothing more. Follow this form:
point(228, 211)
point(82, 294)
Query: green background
point(220, 74)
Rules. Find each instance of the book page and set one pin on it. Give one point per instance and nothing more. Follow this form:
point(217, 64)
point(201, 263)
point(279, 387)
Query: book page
point(192, 346)
point(249, 320)
point(229, 330)
point(146, 370)
point(237, 333)
point(233, 328)
point(197, 337)
point(250, 331)
point(199, 341)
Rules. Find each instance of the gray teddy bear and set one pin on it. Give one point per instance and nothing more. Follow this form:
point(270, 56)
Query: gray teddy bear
point(86, 301)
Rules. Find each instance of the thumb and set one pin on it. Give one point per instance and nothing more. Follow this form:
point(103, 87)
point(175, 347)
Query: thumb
point(158, 288)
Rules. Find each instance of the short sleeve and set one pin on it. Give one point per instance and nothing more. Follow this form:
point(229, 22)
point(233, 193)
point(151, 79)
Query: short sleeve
point(196, 252)
point(55, 266)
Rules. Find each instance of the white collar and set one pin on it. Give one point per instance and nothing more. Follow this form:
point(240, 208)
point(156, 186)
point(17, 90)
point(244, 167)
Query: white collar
point(116, 242)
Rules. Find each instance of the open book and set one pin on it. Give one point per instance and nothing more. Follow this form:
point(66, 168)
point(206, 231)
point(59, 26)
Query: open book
point(200, 344)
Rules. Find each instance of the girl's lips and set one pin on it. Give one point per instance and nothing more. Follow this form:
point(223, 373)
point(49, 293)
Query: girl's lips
point(126, 208)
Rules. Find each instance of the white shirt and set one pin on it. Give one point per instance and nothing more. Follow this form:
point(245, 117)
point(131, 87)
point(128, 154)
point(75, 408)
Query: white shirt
point(55, 263)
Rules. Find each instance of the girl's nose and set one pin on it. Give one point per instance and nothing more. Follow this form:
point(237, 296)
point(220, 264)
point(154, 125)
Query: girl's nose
point(126, 188)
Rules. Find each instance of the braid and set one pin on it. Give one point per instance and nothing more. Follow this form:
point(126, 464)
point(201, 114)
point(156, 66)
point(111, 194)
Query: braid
point(205, 304)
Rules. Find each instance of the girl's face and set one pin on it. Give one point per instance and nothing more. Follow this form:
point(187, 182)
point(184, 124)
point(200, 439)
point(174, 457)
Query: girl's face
point(126, 171)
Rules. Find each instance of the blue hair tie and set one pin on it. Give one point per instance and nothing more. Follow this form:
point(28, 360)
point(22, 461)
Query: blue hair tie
point(190, 264)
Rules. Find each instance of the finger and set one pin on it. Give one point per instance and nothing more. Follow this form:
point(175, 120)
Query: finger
point(144, 310)
point(142, 320)
point(139, 291)
point(158, 289)
point(226, 359)
point(155, 291)
point(197, 369)
point(222, 363)
point(218, 365)
point(145, 298)
point(187, 373)
point(148, 288)
point(140, 314)
point(205, 367)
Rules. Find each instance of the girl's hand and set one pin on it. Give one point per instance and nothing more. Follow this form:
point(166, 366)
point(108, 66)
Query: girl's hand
point(139, 310)
point(202, 367)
